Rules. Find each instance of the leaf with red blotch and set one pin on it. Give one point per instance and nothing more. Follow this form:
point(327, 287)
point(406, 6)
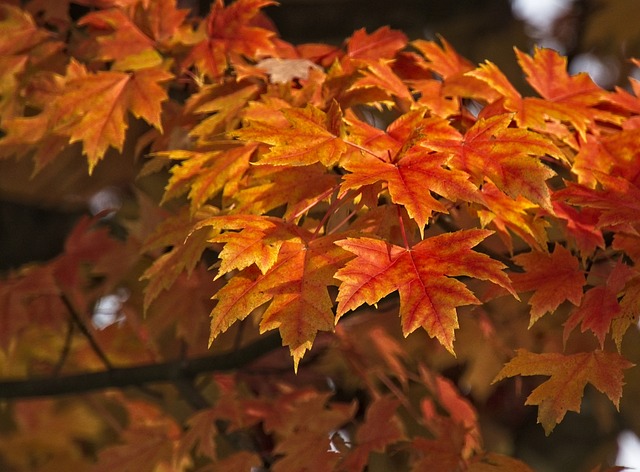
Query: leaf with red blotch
point(600, 305)
point(312, 136)
point(569, 375)
point(618, 202)
point(383, 43)
point(423, 275)
point(231, 32)
point(295, 283)
point(381, 427)
point(554, 277)
point(508, 156)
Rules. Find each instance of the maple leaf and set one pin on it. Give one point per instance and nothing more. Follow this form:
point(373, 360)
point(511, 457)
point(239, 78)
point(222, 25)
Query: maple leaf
point(600, 305)
point(614, 155)
point(569, 100)
point(518, 215)
point(550, 291)
point(381, 77)
point(381, 427)
point(205, 174)
point(187, 245)
point(302, 419)
point(383, 43)
point(224, 102)
point(295, 284)
point(102, 121)
point(299, 188)
point(423, 275)
point(312, 136)
point(629, 311)
point(569, 375)
point(18, 31)
point(119, 39)
point(581, 227)
point(505, 155)
point(411, 180)
point(160, 19)
point(618, 202)
point(230, 34)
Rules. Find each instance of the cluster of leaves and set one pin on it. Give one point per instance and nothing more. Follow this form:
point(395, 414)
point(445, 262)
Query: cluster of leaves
point(319, 179)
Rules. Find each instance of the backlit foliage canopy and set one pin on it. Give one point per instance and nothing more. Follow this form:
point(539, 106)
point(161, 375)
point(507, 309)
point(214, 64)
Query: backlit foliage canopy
point(408, 225)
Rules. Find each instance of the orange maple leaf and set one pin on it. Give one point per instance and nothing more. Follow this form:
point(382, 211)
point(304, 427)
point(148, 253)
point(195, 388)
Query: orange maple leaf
point(231, 33)
point(102, 121)
point(554, 277)
point(312, 136)
point(569, 376)
point(187, 245)
point(629, 311)
point(118, 37)
point(600, 305)
point(299, 188)
point(412, 179)
point(18, 31)
point(383, 43)
point(519, 216)
point(617, 202)
point(510, 157)
point(205, 174)
point(423, 275)
point(295, 283)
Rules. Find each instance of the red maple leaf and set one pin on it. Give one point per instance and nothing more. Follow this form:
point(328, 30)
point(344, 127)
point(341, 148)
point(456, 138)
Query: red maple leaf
point(424, 277)
point(554, 277)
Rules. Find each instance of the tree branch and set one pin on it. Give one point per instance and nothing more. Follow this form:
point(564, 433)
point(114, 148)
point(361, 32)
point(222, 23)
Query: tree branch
point(174, 371)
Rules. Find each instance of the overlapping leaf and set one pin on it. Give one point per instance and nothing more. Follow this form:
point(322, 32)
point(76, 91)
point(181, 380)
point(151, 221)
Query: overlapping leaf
point(312, 136)
point(230, 33)
point(424, 277)
point(549, 292)
point(510, 157)
point(282, 266)
point(414, 174)
point(600, 306)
